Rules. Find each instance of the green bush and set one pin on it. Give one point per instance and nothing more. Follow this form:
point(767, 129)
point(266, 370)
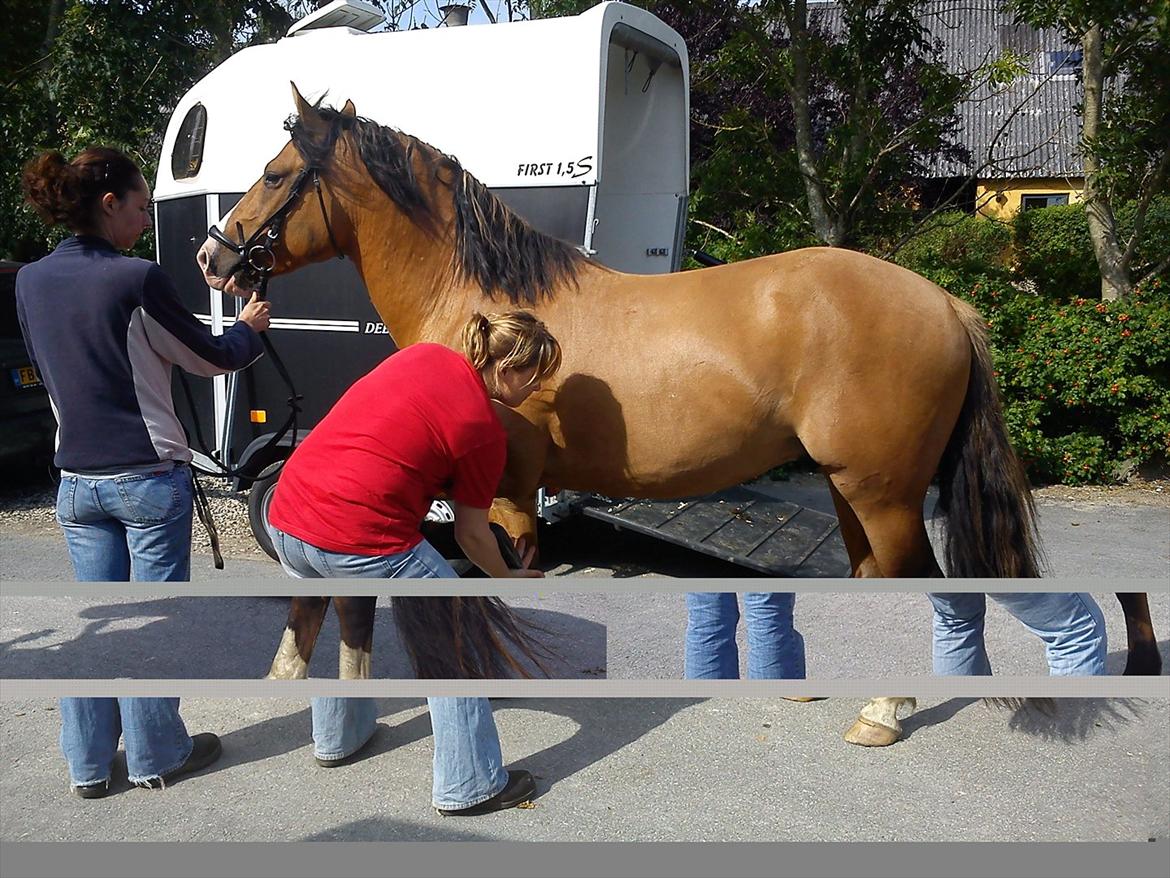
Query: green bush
point(1086, 383)
point(1054, 251)
point(959, 242)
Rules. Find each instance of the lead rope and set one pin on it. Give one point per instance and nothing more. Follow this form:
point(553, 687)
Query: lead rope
point(203, 508)
point(272, 228)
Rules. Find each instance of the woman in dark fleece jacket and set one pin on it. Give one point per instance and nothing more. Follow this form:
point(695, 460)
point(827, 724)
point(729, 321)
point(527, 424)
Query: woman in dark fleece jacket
point(104, 330)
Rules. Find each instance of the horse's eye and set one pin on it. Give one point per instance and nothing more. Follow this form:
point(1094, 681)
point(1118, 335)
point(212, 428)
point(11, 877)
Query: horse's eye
point(272, 180)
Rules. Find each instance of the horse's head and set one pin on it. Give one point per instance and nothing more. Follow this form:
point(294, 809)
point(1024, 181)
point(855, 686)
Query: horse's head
point(288, 218)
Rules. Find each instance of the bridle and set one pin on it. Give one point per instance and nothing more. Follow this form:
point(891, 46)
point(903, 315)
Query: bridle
point(258, 258)
point(257, 255)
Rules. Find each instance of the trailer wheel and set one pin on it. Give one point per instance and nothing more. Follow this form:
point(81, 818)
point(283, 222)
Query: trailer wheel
point(259, 499)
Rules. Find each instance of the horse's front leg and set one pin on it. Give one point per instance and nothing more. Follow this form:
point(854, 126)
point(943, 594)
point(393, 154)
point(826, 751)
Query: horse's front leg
point(356, 618)
point(877, 725)
point(300, 634)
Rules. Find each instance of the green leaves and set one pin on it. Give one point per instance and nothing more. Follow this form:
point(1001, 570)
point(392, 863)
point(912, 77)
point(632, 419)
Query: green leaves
point(1086, 384)
point(111, 75)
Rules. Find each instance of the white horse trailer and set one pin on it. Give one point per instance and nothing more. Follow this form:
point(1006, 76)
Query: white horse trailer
point(580, 124)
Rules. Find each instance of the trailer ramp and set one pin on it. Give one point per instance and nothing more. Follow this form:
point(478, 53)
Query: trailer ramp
point(740, 525)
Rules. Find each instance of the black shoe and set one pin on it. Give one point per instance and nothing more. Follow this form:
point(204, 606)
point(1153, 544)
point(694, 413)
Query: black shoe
point(207, 749)
point(345, 760)
point(94, 791)
point(519, 790)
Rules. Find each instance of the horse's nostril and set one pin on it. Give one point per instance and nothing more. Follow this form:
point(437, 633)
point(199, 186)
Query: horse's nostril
point(206, 263)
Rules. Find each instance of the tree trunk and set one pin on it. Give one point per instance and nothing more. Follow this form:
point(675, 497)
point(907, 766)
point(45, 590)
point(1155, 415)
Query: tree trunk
point(1111, 262)
point(828, 230)
point(54, 24)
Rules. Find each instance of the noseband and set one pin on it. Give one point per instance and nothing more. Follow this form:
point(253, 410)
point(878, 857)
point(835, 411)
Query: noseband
point(256, 253)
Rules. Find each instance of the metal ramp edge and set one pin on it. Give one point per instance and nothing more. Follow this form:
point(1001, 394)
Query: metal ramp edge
point(740, 525)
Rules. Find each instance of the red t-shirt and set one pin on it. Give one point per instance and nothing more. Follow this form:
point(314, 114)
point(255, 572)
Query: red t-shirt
point(419, 424)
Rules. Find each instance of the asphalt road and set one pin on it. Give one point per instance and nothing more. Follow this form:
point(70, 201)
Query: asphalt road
point(633, 769)
point(236, 637)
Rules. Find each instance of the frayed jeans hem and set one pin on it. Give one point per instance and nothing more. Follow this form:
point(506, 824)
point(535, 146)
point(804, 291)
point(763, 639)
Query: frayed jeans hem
point(459, 806)
point(144, 781)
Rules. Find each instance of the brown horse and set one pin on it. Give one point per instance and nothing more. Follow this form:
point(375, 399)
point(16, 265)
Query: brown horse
point(682, 384)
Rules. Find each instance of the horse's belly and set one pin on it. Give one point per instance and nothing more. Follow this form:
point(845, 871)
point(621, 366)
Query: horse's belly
point(660, 458)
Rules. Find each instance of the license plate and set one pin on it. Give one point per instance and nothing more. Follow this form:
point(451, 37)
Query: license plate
point(26, 376)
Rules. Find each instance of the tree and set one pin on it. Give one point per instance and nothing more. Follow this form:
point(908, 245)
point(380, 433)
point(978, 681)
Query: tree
point(809, 126)
point(885, 105)
point(1125, 121)
point(76, 72)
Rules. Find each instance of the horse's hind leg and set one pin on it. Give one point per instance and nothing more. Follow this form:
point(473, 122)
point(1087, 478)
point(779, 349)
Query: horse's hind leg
point(897, 537)
point(861, 558)
point(300, 634)
point(356, 618)
point(878, 725)
point(1144, 657)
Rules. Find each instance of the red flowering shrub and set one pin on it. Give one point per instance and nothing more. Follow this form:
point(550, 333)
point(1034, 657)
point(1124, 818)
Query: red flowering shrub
point(1086, 384)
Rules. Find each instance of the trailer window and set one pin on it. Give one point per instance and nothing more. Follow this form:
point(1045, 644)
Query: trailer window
point(187, 155)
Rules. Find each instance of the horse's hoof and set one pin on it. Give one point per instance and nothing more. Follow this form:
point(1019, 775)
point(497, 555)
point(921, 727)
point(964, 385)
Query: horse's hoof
point(802, 699)
point(867, 733)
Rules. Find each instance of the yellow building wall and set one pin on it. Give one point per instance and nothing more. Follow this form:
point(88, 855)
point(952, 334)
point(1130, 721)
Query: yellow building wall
point(1001, 199)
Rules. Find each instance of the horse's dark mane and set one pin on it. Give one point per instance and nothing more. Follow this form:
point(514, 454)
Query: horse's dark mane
point(494, 247)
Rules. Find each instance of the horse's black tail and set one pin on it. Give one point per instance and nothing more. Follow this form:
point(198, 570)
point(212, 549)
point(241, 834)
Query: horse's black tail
point(467, 637)
point(983, 490)
point(1046, 706)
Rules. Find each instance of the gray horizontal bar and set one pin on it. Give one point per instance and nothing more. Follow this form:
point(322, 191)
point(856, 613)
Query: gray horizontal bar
point(918, 687)
point(569, 859)
point(513, 588)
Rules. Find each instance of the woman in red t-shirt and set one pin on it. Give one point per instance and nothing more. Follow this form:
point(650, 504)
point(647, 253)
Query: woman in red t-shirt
point(352, 496)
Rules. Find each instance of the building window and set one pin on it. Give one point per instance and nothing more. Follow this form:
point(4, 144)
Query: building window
point(1031, 202)
point(187, 155)
point(1019, 38)
point(1065, 62)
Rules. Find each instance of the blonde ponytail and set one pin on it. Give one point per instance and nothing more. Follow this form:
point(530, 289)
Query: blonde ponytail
point(514, 339)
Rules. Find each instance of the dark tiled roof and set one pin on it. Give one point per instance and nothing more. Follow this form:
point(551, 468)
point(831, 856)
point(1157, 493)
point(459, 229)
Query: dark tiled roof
point(1028, 129)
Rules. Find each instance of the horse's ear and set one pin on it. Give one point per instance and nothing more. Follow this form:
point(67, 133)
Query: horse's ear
point(304, 108)
point(349, 109)
point(311, 120)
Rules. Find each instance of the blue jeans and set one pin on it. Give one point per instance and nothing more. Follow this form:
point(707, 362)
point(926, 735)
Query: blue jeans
point(135, 527)
point(156, 739)
point(302, 560)
point(132, 527)
point(775, 647)
point(468, 766)
point(1070, 624)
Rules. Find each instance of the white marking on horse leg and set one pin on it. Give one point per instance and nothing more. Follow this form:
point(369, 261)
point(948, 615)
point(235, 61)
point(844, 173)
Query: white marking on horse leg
point(878, 725)
point(885, 711)
point(288, 664)
point(353, 664)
